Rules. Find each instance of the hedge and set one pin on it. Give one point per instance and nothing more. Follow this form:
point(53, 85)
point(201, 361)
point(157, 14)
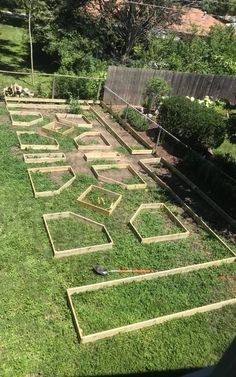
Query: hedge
point(193, 123)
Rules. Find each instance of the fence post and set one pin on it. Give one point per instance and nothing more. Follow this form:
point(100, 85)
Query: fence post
point(53, 87)
point(158, 137)
point(99, 89)
point(126, 111)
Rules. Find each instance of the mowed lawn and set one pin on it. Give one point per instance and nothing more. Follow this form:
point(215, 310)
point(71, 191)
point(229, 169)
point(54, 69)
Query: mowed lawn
point(14, 56)
point(227, 147)
point(36, 329)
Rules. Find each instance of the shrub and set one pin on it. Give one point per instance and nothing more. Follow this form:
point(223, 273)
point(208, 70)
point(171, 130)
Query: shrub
point(136, 120)
point(65, 87)
point(231, 128)
point(155, 89)
point(195, 124)
point(74, 105)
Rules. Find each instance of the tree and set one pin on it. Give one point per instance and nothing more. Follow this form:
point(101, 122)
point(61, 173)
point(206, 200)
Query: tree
point(155, 89)
point(129, 24)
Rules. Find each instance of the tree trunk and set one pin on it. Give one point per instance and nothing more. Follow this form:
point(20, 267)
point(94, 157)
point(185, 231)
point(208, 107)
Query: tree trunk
point(31, 43)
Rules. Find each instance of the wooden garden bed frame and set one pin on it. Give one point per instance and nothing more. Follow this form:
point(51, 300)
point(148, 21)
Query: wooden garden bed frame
point(78, 250)
point(54, 146)
point(55, 127)
point(132, 186)
point(168, 237)
point(143, 151)
point(51, 169)
point(96, 155)
point(104, 147)
point(36, 158)
point(40, 106)
point(106, 211)
point(143, 324)
point(160, 160)
point(34, 99)
point(17, 123)
point(74, 120)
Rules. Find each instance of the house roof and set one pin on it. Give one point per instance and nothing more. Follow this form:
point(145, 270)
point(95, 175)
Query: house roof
point(195, 17)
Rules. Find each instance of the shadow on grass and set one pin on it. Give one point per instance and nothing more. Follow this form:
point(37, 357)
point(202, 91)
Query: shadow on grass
point(168, 373)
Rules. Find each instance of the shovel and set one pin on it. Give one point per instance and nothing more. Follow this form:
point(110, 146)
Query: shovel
point(100, 270)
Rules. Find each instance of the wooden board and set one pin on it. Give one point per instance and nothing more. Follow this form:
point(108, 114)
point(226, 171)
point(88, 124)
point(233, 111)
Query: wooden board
point(56, 126)
point(27, 123)
point(41, 106)
point(129, 186)
point(53, 146)
point(100, 155)
point(74, 120)
point(78, 250)
point(143, 324)
point(168, 237)
point(93, 147)
point(51, 169)
point(36, 158)
point(119, 138)
point(106, 211)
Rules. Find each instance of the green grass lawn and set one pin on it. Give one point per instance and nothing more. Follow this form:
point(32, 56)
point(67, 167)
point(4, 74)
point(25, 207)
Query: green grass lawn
point(13, 50)
point(227, 147)
point(37, 332)
point(14, 56)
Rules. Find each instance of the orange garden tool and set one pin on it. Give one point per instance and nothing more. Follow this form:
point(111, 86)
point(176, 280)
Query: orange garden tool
point(102, 271)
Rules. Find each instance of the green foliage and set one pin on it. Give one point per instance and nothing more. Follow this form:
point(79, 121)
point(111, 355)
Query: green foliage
point(154, 90)
point(214, 54)
point(74, 105)
point(231, 128)
point(135, 119)
point(66, 87)
point(193, 123)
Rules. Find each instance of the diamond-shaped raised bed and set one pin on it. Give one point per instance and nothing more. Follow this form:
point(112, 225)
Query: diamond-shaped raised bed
point(58, 127)
point(33, 118)
point(99, 199)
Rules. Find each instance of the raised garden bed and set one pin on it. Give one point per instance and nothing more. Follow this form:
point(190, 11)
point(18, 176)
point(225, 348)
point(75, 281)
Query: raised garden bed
point(25, 118)
point(58, 127)
point(77, 120)
point(131, 181)
point(154, 222)
point(32, 140)
point(99, 199)
point(100, 155)
point(92, 141)
point(50, 181)
point(144, 301)
point(72, 234)
point(36, 158)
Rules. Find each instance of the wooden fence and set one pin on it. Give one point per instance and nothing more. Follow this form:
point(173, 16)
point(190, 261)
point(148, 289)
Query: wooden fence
point(129, 84)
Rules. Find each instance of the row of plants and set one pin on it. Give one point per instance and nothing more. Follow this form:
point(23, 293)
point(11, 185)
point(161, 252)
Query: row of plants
point(136, 120)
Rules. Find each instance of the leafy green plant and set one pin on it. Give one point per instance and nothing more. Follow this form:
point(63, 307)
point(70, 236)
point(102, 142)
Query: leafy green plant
point(135, 119)
point(193, 123)
point(231, 128)
point(154, 90)
point(74, 105)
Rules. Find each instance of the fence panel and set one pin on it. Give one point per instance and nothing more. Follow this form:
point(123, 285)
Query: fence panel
point(129, 83)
